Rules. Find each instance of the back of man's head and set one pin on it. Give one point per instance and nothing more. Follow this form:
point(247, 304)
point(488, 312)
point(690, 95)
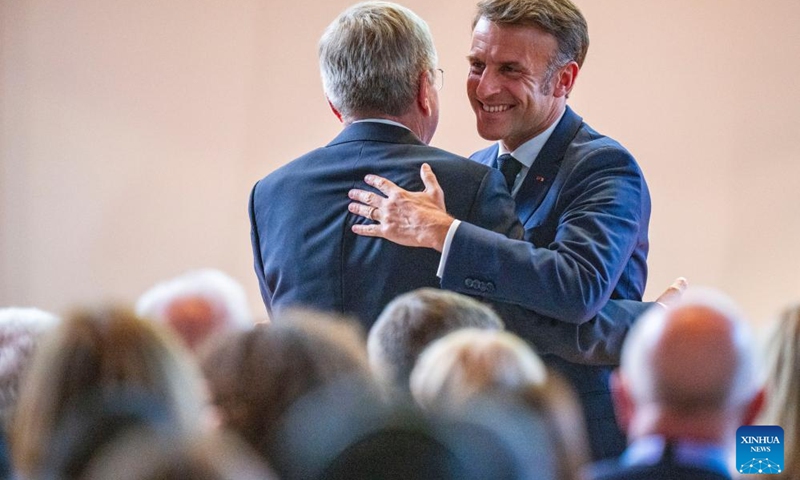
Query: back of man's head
point(371, 58)
point(196, 304)
point(20, 331)
point(412, 321)
point(691, 365)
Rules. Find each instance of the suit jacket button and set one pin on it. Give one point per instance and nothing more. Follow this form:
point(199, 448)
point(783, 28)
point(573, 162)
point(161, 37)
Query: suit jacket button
point(468, 283)
point(490, 287)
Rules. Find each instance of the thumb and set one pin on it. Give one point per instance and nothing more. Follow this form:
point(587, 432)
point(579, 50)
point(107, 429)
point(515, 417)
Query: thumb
point(428, 178)
point(432, 186)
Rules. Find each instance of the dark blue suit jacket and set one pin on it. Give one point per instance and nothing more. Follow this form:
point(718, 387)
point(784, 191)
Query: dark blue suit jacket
point(585, 209)
point(304, 250)
point(305, 253)
point(668, 465)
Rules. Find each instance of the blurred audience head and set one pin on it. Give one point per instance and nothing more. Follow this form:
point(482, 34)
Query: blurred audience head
point(688, 372)
point(197, 304)
point(339, 432)
point(412, 321)
point(782, 355)
point(101, 352)
point(472, 362)
point(20, 332)
point(147, 455)
point(256, 375)
point(558, 409)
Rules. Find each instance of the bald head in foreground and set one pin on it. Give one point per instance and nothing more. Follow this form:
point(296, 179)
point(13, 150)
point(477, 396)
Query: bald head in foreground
point(687, 381)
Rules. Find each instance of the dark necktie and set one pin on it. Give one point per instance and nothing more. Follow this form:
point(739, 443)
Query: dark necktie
point(509, 167)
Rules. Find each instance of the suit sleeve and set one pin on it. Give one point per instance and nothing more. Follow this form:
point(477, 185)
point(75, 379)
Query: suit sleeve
point(599, 213)
point(255, 242)
point(596, 342)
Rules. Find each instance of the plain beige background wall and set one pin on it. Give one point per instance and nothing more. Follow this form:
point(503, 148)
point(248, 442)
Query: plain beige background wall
point(132, 131)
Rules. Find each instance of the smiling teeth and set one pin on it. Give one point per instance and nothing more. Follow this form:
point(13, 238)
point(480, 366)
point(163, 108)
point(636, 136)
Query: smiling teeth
point(495, 109)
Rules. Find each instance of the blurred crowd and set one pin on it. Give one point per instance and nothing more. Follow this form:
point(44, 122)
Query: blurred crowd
point(189, 385)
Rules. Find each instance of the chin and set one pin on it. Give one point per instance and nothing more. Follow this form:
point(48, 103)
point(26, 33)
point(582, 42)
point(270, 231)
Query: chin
point(489, 133)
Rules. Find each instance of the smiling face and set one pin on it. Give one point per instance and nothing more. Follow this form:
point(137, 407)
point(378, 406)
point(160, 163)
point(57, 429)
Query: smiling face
point(505, 86)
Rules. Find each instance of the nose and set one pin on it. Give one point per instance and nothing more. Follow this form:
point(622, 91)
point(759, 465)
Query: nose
point(488, 84)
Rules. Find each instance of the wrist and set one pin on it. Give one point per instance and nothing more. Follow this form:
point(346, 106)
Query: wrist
point(439, 231)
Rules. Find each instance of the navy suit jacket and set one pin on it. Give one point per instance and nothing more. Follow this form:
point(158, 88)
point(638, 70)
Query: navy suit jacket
point(585, 209)
point(667, 466)
point(305, 252)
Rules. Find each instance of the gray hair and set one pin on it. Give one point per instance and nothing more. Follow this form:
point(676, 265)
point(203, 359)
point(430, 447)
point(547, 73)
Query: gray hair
point(20, 331)
point(471, 362)
point(726, 386)
point(413, 320)
point(212, 285)
point(371, 58)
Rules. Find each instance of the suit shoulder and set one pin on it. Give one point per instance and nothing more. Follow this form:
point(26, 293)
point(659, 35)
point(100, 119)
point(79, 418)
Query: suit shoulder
point(291, 168)
point(595, 150)
point(451, 163)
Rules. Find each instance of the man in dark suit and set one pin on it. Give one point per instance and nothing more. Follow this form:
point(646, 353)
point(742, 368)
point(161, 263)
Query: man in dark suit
point(681, 425)
point(580, 196)
point(383, 91)
point(378, 66)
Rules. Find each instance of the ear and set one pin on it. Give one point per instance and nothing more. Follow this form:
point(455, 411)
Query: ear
point(754, 407)
point(334, 110)
point(423, 94)
point(565, 79)
point(623, 402)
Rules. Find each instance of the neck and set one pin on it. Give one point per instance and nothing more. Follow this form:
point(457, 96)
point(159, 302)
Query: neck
point(412, 120)
point(702, 426)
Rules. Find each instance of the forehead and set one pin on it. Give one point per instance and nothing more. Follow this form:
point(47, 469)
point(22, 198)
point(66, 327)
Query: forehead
point(512, 43)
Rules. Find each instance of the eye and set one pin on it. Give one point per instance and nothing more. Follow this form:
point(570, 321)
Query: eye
point(476, 66)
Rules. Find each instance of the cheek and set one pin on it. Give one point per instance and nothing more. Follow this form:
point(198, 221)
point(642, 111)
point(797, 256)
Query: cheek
point(472, 85)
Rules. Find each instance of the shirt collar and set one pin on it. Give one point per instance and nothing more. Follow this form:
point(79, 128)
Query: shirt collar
point(528, 151)
point(649, 450)
point(382, 120)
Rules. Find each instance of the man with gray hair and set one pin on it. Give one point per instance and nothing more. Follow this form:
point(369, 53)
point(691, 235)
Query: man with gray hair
point(378, 66)
point(414, 320)
point(688, 379)
point(196, 305)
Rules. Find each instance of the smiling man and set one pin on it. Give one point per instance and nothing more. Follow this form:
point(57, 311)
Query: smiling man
point(580, 196)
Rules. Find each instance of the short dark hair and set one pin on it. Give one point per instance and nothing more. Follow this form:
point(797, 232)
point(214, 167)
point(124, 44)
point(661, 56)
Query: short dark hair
point(559, 18)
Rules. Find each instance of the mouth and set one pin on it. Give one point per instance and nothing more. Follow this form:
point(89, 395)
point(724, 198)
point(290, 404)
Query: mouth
point(494, 108)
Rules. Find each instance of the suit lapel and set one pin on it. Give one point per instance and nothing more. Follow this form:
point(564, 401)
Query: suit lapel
point(545, 168)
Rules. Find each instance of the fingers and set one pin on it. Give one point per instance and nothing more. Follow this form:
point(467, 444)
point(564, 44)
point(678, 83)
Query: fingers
point(365, 211)
point(385, 186)
point(673, 293)
point(365, 197)
point(372, 230)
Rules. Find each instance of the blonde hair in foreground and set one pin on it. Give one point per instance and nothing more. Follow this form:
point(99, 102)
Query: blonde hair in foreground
point(782, 362)
point(472, 362)
point(101, 352)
